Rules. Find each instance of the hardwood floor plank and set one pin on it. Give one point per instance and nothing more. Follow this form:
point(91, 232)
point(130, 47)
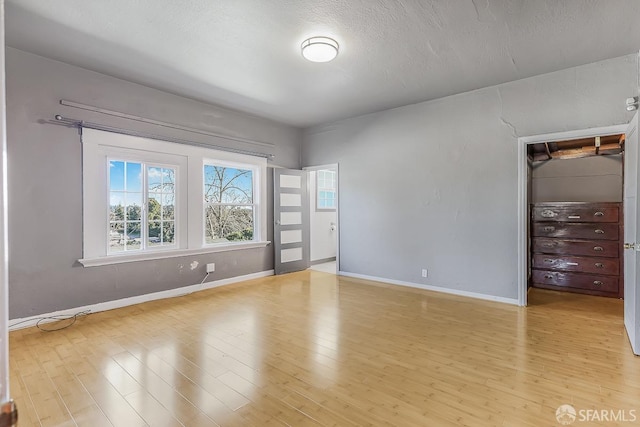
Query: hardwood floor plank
point(170, 398)
point(151, 410)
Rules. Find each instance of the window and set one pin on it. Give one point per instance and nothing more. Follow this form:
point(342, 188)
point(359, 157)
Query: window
point(229, 209)
point(150, 199)
point(132, 187)
point(326, 189)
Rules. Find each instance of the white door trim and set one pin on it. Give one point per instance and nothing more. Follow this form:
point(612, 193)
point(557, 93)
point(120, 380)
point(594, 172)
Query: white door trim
point(312, 194)
point(4, 240)
point(523, 141)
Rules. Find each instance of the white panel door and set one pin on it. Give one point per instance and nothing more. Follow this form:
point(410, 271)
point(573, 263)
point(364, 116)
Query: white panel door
point(631, 238)
point(291, 220)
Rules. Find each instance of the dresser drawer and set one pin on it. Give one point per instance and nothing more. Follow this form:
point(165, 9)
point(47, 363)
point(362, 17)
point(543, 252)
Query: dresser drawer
point(576, 263)
point(576, 280)
point(597, 248)
point(576, 213)
point(578, 231)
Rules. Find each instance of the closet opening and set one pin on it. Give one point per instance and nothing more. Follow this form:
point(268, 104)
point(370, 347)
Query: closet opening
point(575, 215)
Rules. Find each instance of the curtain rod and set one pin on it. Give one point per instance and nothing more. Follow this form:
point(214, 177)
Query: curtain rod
point(159, 123)
point(68, 122)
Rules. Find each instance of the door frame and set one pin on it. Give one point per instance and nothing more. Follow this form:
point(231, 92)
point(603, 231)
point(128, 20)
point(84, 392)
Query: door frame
point(312, 193)
point(6, 404)
point(523, 208)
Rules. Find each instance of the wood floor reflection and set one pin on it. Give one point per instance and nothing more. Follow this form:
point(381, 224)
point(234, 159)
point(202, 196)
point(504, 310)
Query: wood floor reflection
point(313, 349)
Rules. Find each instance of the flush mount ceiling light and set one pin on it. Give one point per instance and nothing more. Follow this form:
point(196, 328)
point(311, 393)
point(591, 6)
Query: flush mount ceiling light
point(320, 49)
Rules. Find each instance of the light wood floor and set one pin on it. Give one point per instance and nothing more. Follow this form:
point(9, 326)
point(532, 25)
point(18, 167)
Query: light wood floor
point(313, 349)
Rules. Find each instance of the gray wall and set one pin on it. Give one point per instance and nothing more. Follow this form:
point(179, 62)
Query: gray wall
point(589, 179)
point(45, 185)
point(434, 185)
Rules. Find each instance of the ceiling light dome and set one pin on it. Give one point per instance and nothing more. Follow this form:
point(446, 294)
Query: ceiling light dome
point(320, 49)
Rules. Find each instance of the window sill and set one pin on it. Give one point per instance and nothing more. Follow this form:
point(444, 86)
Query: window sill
point(120, 259)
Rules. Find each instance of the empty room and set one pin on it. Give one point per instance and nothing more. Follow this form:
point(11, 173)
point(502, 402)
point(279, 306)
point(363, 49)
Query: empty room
point(319, 213)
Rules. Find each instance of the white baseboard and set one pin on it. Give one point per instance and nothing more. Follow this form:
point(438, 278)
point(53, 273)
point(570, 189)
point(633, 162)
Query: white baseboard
point(27, 322)
point(513, 301)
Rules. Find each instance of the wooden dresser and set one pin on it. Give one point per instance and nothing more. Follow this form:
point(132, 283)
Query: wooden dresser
point(576, 247)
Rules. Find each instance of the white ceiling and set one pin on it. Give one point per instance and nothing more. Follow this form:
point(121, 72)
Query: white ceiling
point(245, 54)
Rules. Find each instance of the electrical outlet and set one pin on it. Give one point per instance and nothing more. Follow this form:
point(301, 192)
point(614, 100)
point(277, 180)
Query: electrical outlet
point(425, 272)
point(211, 267)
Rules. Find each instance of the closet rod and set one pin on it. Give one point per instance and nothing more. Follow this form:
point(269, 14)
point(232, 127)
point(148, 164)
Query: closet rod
point(66, 121)
point(159, 123)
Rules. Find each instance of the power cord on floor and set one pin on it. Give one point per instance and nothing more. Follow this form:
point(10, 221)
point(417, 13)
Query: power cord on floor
point(201, 283)
point(72, 317)
point(58, 317)
point(205, 278)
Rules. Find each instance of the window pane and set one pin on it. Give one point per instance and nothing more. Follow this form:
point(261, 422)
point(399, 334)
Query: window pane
point(168, 232)
point(134, 176)
point(134, 206)
point(154, 208)
point(132, 236)
point(154, 179)
point(116, 237)
point(116, 211)
point(168, 207)
point(168, 179)
point(160, 180)
point(155, 238)
point(116, 175)
point(228, 223)
point(228, 185)
point(133, 231)
point(116, 198)
point(325, 189)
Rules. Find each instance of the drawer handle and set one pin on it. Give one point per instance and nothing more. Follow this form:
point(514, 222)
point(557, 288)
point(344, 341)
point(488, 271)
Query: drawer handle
point(599, 265)
point(598, 248)
point(548, 276)
point(547, 213)
point(599, 231)
point(598, 213)
point(574, 216)
point(550, 244)
point(572, 263)
point(548, 228)
point(549, 260)
point(598, 283)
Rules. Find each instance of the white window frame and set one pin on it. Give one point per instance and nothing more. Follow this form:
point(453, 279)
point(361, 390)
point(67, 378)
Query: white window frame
point(319, 189)
point(144, 222)
point(257, 226)
point(99, 146)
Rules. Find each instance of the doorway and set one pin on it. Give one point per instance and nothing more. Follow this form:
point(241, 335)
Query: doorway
point(525, 190)
point(306, 219)
point(323, 218)
point(575, 194)
point(630, 235)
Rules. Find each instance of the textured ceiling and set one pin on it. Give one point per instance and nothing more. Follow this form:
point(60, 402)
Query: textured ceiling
point(245, 54)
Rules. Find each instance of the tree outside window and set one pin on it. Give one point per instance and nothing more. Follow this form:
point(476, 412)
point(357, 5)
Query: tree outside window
point(229, 204)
